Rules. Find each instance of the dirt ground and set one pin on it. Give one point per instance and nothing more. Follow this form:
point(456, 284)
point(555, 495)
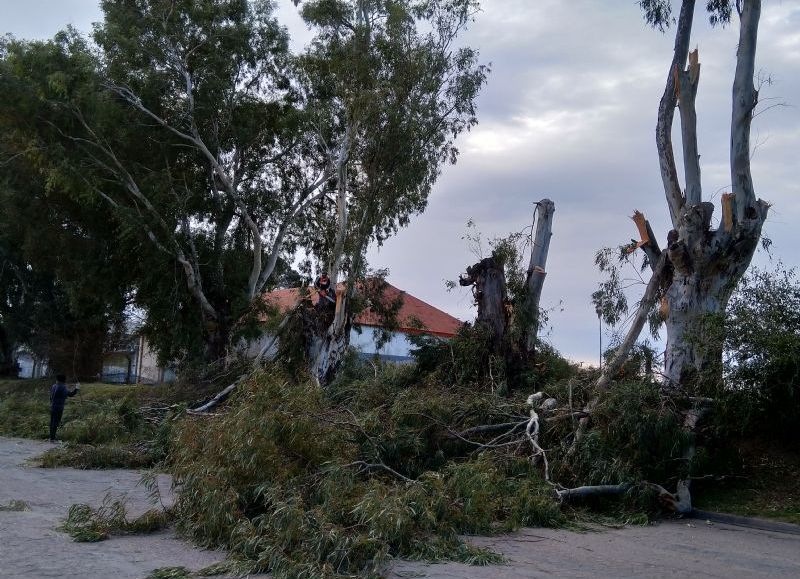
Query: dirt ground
point(30, 547)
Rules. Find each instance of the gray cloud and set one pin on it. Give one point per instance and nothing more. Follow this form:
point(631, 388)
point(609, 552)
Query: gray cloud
point(569, 114)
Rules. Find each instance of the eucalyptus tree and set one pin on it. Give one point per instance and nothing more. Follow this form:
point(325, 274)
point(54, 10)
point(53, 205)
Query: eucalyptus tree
point(391, 91)
point(62, 292)
point(187, 124)
point(696, 273)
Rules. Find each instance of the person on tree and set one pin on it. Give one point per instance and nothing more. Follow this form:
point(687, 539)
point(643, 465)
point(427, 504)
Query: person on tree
point(58, 397)
point(327, 294)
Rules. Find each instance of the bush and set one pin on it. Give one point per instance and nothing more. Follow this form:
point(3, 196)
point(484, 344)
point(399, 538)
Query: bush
point(762, 341)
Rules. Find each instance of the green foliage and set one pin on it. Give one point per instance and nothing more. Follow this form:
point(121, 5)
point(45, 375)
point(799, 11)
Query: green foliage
point(103, 426)
point(86, 524)
point(466, 359)
point(637, 435)
point(169, 573)
point(658, 13)
point(641, 364)
point(86, 456)
point(762, 344)
point(310, 483)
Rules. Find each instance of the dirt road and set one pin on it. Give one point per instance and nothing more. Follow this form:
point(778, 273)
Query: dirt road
point(30, 547)
point(673, 549)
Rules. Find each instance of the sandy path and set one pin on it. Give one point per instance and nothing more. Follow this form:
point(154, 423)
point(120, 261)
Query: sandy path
point(30, 547)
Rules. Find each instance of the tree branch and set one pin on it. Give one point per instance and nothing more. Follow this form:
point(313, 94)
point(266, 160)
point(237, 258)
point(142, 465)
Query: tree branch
point(666, 113)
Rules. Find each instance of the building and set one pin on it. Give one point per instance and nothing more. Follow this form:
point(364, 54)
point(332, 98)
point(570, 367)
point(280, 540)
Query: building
point(415, 317)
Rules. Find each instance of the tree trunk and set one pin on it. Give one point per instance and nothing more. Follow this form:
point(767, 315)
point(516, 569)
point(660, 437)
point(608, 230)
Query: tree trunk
point(329, 339)
point(8, 366)
point(537, 269)
point(706, 264)
point(489, 288)
point(216, 336)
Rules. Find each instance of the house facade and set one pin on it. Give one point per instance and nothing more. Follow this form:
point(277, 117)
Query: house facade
point(415, 317)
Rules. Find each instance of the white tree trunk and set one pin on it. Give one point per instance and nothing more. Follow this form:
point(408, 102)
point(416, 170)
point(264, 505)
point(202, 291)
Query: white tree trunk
point(706, 264)
point(537, 267)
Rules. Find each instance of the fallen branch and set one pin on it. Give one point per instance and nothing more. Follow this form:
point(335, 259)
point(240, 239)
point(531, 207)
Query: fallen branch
point(622, 353)
point(218, 399)
point(678, 502)
point(532, 431)
point(377, 465)
point(487, 428)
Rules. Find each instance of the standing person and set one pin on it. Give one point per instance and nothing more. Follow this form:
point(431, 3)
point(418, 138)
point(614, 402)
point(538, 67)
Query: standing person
point(58, 397)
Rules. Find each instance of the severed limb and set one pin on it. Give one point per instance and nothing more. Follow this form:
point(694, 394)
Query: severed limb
point(647, 240)
point(622, 353)
point(677, 502)
point(218, 399)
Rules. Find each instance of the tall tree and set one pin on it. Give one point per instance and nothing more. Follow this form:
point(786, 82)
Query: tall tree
point(697, 272)
point(392, 93)
point(188, 126)
point(63, 290)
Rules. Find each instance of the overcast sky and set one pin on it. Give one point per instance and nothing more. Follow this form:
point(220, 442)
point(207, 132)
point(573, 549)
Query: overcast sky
point(569, 114)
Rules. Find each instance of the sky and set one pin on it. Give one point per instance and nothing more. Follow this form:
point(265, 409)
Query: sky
point(569, 114)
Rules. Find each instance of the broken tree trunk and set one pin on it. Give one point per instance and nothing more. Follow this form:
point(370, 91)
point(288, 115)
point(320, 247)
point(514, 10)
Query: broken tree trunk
point(707, 264)
point(703, 265)
point(489, 289)
point(329, 338)
point(537, 269)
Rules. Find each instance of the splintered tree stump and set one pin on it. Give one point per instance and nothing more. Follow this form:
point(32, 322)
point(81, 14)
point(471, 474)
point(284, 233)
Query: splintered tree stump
point(488, 282)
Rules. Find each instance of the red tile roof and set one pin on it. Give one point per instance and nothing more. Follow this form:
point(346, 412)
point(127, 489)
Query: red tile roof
point(434, 320)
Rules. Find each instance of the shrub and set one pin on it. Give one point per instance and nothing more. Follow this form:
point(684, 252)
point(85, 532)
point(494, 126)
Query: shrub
point(762, 341)
point(637, 435)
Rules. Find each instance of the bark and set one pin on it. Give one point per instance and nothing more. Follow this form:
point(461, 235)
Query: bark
point(329, 339)
point(537, 268)
point(704, 265)
point(489, 288)
point(8, 366)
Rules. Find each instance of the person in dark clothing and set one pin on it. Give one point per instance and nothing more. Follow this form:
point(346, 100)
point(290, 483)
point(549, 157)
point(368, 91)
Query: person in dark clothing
point(327, 295)
point(58, 397)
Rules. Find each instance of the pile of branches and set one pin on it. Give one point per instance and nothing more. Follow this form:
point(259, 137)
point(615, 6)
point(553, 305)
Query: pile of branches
point(388, 462)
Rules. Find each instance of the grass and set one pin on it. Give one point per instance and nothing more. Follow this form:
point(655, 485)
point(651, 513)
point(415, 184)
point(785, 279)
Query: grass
point(763, 484)
point(15, 505)
point(103, 425)
point(98, 414)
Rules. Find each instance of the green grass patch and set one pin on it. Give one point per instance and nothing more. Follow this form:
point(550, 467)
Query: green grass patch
point(104, 426)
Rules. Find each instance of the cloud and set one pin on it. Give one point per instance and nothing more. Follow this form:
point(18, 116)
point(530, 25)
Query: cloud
point(569, 113)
